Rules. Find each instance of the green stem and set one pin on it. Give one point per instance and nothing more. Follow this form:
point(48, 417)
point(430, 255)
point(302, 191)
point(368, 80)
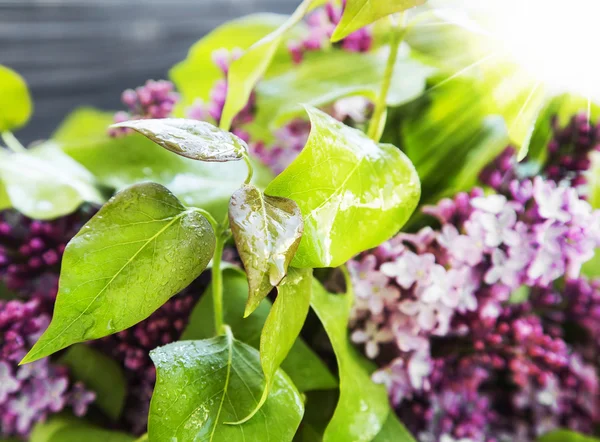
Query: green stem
point(379, 115)
point(250, 169)
point(217, 284)
point(12, 143)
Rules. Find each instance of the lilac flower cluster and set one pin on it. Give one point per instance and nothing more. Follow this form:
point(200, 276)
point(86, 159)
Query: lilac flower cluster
point(435, 309)
point(31, 251)
point(321, 24)
point(131, 348)
point(156, 99)
point(28, 394)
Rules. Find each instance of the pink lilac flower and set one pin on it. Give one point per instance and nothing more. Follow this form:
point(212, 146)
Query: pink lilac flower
point(156, 99)
point(31, 393)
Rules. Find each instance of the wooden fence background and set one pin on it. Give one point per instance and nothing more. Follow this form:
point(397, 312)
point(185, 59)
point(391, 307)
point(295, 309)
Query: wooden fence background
point(85, 52)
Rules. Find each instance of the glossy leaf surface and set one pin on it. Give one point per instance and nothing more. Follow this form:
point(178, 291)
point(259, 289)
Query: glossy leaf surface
point(303, 366)
point(121, 162)
point(245, 72)
point(360, 13)
point(363, 406)
point(100, 374)
point(15, 102)
point(394, 431)
point(140, 249)
point(267, 231)
point(44, 183)
point(347, 186)
point(197, 140)
point(215, 381)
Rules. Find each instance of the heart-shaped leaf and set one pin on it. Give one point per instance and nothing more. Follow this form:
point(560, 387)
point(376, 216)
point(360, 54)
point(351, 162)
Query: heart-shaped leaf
point(44, 183)
point(121, 162)
point(215, 381)
point(140, 249)
point(197, 140)
point(99, 373)
point(363, 406)
point(302, 365)
point(283, 326)
point(15, 102)
point(247, 70)
point(360, 13)
point(267, 231)
point(347, 186)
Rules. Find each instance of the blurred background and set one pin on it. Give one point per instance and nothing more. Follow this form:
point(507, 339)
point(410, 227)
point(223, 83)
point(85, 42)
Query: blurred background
point(86, 52)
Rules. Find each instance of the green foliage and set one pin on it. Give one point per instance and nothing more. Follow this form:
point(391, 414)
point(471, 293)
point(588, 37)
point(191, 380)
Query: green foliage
point(360, 13)
point(303, 366)
point(15, 102)
point(121, 162)
point(69, 429)
point(140, 249)
point(216, 381)
point(44, 183)
point(356, 196)
point(196, 75)
point(363, 406)
point(267, 232)
point(566, 436)
point(394, 431)
point(99, 373)
point(197, 140)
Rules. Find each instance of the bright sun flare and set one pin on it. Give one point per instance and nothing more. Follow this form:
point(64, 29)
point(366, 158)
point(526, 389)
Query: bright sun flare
point(556, 41)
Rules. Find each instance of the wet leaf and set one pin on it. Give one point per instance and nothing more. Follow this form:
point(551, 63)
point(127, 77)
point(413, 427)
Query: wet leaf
point(197, 140)
point(325, 77)
point(302, 365)
point(245, 72)
point(566, 436)
point(195, 76)
point(15, 102)
point(215, 381)
point(69, 429)
point(140, 249)
point(347, 186)
point(44, 183)
point(267, 231)
point(360, 13)
point(121, 162)
point(363, 406)
point(394, 431)
point(100, 374)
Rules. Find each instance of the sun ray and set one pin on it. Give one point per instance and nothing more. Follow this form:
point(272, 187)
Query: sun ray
point(463, 71)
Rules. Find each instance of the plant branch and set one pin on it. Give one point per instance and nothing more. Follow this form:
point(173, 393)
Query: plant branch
point(250, 168)
point(12, 143)
point(217, 284)
point(379, 115)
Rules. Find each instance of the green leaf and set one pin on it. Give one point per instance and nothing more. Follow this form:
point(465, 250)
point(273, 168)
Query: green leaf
point(394, 431)
point(566, 436)
point(325, 77)
point(121, 162)
point(591, 269)
point(140, 249)
point(360, 13)
point(302, 365)
point(245, 72)
point(520, 295)
point(68, 429)
point(594, 180)
point(347, 186)
point(4, 198)
point(44, 183)
point(267, 232)
point(283, 326)
point(15, 102)
point(100, 374)
point(215, 381)
point(197, 140)
point(196, 75)
point(363, 406)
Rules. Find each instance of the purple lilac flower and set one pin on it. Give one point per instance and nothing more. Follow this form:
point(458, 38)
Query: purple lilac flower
point(30, 393)
point(31, 251)
point(156, 99)
point(459, 361)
